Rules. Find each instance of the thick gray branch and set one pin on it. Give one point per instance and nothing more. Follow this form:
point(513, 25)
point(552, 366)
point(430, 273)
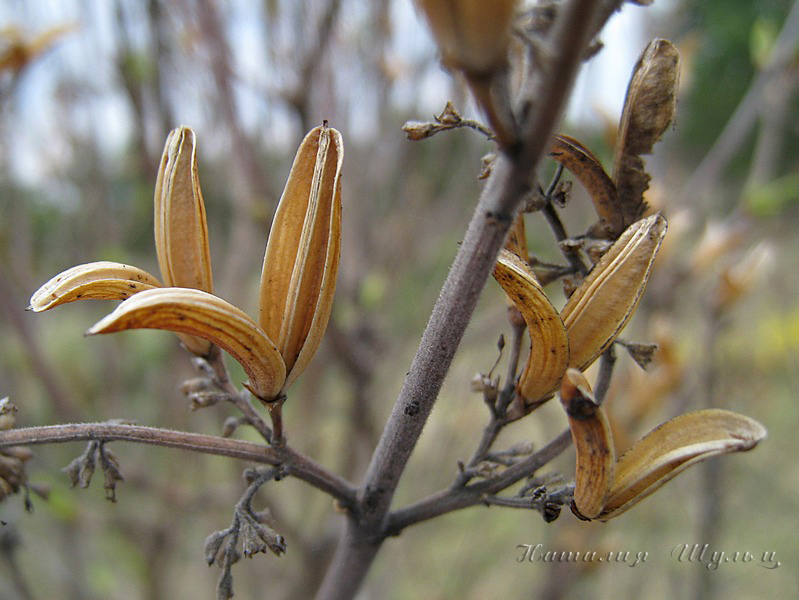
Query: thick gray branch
point(575, 25)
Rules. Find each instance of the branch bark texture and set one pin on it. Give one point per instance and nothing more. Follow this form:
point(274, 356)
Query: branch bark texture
point(498, 204)
point(294, 463)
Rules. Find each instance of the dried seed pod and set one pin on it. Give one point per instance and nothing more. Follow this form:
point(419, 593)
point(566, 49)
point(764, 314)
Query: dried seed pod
point(181, 232)
point(649, 108)
point(671, 448)
point(471, 35)
point(601, 189)
point(201, 314)
point(549, 345)
point(474, 37)
point(101, 280)
point(593, 444)
point(516, 241)
point(606, 299)
point(299, 273)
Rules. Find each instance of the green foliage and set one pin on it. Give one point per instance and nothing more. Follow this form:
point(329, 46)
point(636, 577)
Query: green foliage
point(732, 38)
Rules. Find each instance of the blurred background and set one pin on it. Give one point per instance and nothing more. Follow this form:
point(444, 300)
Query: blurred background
point(88, 92)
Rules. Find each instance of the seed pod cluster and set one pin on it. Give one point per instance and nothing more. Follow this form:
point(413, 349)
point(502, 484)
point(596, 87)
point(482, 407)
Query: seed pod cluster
point(297, 284)
point(593, 316)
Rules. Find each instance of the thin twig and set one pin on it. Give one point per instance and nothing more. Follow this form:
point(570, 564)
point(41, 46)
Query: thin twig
point(606, 363)
point(294, 463)
point(453, 499)
point(216, 361)
point(736, 131)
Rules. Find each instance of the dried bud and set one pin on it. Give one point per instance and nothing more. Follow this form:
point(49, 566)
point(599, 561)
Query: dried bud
point(416, 130)
point(181, 233)
point(212, 545)
point(486, 165)
point(299, 274)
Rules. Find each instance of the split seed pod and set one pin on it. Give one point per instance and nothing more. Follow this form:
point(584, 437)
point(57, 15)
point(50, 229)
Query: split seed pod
point(181, 232)
point(198, 313)
point(101, 280)
point(593, 443)
point(302, 255)
point(604, 489)
point(606, 299)
point(668, 450)
point(549, 344)
point(649, 108)
point(589, 171)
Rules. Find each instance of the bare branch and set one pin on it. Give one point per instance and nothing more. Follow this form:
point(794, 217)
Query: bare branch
point(294, 463)
point(505, 190)
point(453, 499)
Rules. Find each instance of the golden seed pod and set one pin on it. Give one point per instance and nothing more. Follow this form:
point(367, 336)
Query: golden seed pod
point(549, 345)
point(181, 232)
point(198, 313)
point(606, 299)
point(302, 255)
point(604, 488)
point(101, 280)
point(472, 35)
point(593, 444)
point(668, 450)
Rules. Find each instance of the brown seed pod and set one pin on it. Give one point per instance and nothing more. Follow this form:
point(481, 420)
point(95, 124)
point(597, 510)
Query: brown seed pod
point(301, 261)
point(606, 299)
point(181, 232)
point(198, 313)
point(549, 345)
point(649, 108)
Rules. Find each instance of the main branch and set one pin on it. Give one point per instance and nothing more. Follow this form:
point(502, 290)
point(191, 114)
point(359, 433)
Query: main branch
point(509, 183)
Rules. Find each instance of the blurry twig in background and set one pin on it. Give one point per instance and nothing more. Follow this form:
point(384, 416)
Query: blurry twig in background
point(752, 106)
